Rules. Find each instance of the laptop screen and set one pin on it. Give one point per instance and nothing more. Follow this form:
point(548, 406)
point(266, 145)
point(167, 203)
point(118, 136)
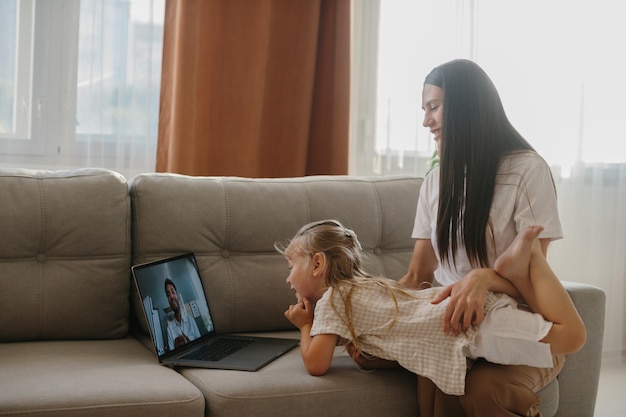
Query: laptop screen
point(173, 301)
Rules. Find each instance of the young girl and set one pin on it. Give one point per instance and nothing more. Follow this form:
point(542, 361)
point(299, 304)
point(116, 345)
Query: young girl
point(378, 316)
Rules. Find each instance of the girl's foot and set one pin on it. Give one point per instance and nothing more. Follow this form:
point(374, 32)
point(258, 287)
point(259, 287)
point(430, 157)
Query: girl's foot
point(514, 263)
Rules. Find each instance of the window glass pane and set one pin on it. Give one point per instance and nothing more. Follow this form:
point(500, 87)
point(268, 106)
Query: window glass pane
point(407, 52)
point(562, 89)
point(8, 41)
point(119, 68)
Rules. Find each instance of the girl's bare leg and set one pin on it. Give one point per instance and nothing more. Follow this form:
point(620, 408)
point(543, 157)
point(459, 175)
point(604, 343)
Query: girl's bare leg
point(524, 265)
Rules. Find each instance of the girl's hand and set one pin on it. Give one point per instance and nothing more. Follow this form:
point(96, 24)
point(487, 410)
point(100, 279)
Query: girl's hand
point(467, 301)
point(369, 362)
point(300, 314)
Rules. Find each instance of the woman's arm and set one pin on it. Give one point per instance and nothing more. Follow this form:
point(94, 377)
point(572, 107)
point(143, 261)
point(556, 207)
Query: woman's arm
point(317, 351)
point(422, 266)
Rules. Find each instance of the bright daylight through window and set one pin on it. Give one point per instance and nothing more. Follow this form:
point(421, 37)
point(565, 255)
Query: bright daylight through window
point(79, 83)
point(562, 88)
point(15, 26)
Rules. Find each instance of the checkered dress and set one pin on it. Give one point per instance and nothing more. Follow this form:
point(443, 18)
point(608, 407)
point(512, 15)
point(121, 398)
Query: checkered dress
point(416, 339)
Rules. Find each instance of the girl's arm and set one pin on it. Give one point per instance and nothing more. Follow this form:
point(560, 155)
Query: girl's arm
point(317, 351)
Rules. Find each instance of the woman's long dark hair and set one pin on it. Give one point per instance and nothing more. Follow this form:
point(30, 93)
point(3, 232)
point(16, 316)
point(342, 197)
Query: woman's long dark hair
point(476, 134)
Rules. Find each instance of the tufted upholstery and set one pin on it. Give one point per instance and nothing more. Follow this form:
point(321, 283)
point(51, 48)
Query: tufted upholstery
point(59, 257)
point(232, 225)
point(69, 238)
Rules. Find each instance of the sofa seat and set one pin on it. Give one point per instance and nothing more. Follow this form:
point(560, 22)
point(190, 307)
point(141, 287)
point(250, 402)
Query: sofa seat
point(285, 388)
point(91, 378)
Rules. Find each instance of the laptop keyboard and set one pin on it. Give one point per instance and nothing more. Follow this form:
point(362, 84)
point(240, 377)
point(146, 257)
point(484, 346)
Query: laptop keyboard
point(217, 350)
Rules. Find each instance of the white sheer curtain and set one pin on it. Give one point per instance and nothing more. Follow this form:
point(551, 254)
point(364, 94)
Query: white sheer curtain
point(119, 76)
point(90, 90)
point(560, 68)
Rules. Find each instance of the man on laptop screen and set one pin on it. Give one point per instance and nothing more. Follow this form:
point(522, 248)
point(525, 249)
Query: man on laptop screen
point(182, 328)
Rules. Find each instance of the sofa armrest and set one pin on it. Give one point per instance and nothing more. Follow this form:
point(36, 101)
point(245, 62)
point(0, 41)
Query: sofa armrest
point(578, 381)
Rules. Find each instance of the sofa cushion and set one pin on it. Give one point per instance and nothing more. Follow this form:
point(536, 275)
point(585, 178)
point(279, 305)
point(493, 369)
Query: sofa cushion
point(284, 388)
point(232, 224)
point(92, 378)
point(64, 254)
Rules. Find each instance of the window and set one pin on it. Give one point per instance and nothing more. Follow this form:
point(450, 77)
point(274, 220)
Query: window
point(558, 72)
point(396, 43)
point(16, 22)
point(89, 96)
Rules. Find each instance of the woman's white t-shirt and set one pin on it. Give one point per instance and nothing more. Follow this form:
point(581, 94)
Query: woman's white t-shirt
point(524, 195)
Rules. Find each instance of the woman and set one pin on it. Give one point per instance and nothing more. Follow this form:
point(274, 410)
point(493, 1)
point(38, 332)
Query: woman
point(490, 185)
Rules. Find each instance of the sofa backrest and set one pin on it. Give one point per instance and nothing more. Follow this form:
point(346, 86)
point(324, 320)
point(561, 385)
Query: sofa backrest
point(64, 255)
point(232, 224)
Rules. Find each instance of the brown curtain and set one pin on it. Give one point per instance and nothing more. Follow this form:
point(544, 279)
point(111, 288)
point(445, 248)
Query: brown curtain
point(255, 88)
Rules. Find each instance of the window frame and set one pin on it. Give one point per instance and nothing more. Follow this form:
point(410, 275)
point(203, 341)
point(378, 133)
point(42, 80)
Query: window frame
point(53, 140)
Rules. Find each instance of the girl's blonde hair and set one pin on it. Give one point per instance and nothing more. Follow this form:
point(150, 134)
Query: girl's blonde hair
point(344, 264)
point(338, 244)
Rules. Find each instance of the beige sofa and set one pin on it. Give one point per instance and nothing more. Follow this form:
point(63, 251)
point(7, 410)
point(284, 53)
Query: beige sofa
point(73, 343)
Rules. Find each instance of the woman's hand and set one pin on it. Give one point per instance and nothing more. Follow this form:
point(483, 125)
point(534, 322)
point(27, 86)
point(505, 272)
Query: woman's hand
point(300, 314)
point(467, 301)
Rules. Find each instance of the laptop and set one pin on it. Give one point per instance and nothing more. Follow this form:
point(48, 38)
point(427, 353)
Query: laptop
point(180, 323)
